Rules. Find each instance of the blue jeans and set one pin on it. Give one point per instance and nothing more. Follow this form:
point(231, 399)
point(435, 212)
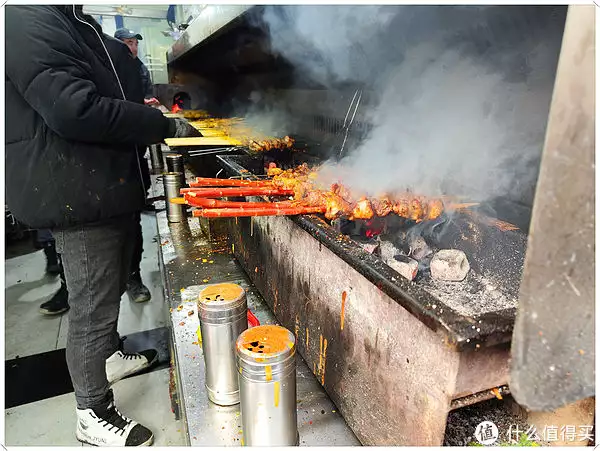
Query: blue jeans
point(44, 236)
point(96, 259)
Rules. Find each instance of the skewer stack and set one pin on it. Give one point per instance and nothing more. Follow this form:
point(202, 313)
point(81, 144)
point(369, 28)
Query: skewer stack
point(204, 194)
point(298, 196)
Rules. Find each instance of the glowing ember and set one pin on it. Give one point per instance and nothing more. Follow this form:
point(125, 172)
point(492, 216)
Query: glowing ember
point(373, 230)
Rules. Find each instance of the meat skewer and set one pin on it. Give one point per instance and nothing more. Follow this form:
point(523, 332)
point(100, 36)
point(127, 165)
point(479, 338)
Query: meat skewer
point(341, 201)
point(203, 202)
point(205, 182)
point(269, 211)
point(239, 192)
point(301, 182)
point(271, 144)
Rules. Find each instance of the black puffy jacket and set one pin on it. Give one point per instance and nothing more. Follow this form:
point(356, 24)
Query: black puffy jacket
point(71, 139)
point(146, 79)
point(133, 85)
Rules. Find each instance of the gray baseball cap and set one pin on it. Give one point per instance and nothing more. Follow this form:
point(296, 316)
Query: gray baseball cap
point(125, 33)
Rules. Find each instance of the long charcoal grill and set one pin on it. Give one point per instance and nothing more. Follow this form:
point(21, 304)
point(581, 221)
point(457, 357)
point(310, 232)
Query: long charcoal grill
point(376, 342)
point(417, 298)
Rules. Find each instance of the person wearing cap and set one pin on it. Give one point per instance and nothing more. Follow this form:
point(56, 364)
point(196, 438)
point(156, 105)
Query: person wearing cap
point(136, 290)
point(131, 39)
point(71, 155)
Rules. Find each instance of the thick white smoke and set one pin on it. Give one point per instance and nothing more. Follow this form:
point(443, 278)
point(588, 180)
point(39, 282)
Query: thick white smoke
point(443, 125)
point(464, 92)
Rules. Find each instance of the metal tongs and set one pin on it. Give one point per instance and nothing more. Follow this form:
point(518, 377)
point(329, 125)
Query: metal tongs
point(347, 123)
point(201, 152)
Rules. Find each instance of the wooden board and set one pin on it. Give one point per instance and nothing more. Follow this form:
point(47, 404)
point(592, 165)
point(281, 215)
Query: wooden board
point(212, 132)
point(173, 115)
point(202, 141)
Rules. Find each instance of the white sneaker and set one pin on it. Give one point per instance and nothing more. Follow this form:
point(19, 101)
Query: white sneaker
point(110, 428)
point(122, 364)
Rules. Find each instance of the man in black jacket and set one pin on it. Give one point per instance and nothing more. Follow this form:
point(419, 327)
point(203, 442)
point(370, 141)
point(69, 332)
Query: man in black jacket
point(136, 290)
point(72, 166)
point(131, 39)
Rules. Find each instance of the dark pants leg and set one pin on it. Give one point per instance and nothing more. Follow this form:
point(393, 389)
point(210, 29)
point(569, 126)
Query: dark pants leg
point(138, 249)
point(46, 241)
point(44, 236)
point(96, 259)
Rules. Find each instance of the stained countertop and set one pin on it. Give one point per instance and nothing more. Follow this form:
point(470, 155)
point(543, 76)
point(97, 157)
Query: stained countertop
point(188, 262)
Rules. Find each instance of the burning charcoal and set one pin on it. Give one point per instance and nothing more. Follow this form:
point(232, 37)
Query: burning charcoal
point(405, 266)
point(419, 248)
point(449, 264)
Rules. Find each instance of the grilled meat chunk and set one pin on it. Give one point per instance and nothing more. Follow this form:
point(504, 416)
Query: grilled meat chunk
point(341, 201)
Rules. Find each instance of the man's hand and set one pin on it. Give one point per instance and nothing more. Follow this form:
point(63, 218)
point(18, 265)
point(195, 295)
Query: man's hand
point(180, 128)
point(152, 101)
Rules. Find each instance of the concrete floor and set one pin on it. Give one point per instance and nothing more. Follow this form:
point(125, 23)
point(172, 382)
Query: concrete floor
point(144, 398)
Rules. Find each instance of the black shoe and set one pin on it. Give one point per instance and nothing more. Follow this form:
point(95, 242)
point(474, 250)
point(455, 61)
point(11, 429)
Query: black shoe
point(59, 303)
point(136, 290)
point(52, 260)
point(53, 270)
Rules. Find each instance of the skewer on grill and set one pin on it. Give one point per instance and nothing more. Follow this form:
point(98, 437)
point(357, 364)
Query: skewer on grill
point(206, 182)
point(308, 199)
point(238, 191)
point(212, 208)
point(203, 202)
point(268, 211)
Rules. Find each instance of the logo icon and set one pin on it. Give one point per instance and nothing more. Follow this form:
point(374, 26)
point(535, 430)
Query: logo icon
point(486, 433)
point(83, 425)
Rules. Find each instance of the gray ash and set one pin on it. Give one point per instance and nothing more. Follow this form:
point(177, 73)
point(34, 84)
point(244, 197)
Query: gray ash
point(496, 257)
point(471, 297)
point(461, 424)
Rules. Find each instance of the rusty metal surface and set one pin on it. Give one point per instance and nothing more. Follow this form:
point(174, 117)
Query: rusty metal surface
point(553, 343)
point(480, 370)
point(391, 376)
point(188, 259)
point(373, 357)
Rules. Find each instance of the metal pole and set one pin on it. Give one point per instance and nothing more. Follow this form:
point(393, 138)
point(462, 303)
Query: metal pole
point(172, 183)
point(156, 157)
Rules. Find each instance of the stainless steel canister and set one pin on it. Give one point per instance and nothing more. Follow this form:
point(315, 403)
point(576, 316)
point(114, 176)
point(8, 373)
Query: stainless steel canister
point(175, 164)
point(172, 183)
point(222, 309)
point(266, 358)
point(156, 158)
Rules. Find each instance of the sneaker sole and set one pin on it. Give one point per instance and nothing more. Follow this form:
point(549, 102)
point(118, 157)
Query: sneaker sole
point(141, 299)
point(48, 313)
point(148, 442)
point(131, 373)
